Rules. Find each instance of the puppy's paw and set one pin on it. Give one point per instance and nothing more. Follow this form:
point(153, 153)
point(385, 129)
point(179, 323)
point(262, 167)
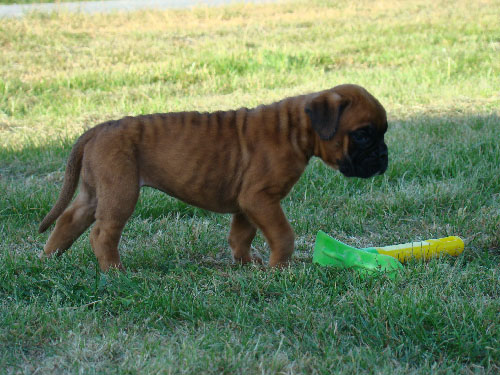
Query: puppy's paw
point(280, 266)
point(257, 260)
point(249, 259)
point(42, 255)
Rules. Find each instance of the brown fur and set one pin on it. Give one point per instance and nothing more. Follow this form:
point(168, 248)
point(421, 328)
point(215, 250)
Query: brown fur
point(241, 162)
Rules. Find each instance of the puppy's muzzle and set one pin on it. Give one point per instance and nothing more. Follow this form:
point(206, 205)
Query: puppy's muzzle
point(367, 163)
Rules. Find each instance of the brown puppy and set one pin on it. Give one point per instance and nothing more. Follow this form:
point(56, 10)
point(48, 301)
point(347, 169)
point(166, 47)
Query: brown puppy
point(241, 162)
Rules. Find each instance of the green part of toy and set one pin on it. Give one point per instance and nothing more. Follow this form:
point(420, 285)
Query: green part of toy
point(331, 252)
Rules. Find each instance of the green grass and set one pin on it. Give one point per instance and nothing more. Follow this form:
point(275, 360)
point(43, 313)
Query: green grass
point(182, 307)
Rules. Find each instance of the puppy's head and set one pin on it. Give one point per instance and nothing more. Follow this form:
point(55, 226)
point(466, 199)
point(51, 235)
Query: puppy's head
point(350, 125)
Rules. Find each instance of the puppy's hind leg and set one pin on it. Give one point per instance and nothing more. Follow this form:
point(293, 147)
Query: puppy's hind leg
point(116, 203)
point(72, 223)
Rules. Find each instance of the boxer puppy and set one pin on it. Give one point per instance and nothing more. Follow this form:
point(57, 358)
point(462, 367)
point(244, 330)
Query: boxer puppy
point(242, 162)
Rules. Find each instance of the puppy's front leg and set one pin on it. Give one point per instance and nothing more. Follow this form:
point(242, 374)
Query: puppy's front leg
point(240, 239)
point(268, 216)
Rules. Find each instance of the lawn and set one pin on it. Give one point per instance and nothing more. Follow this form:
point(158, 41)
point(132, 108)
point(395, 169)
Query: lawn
point(182, 307)
point(37, 1)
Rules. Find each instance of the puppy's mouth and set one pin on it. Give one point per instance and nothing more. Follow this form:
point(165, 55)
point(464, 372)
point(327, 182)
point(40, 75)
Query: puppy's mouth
point(365, 164)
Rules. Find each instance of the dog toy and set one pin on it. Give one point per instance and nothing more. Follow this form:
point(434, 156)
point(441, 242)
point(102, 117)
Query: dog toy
point(425, 250)
point(329, 251)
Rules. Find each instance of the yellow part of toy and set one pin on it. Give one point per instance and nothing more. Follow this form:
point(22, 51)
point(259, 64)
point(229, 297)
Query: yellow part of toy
point(425, 249)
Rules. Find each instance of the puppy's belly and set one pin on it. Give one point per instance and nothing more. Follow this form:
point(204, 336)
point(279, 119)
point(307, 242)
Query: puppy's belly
point(213, 194)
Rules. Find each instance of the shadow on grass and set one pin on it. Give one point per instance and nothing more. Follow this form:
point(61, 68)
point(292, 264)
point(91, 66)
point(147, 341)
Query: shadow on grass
point(444, 175)
point(446, 151)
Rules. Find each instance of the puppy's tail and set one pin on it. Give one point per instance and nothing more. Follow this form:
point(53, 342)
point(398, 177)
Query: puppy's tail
point(71, 177)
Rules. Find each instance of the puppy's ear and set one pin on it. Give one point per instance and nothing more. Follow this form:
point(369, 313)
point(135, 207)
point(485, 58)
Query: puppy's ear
point(325, 111)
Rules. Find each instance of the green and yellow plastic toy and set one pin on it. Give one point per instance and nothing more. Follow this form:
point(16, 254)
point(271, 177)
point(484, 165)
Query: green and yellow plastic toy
point(331, 252)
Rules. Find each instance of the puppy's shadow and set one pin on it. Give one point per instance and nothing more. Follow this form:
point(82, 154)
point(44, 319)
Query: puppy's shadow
point(154, 204)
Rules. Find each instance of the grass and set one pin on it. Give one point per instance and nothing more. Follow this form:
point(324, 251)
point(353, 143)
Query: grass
point(36, 1)
point(182, 307)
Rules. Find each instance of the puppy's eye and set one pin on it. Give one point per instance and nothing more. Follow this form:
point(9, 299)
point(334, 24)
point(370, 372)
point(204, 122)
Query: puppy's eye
point(362, 137)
